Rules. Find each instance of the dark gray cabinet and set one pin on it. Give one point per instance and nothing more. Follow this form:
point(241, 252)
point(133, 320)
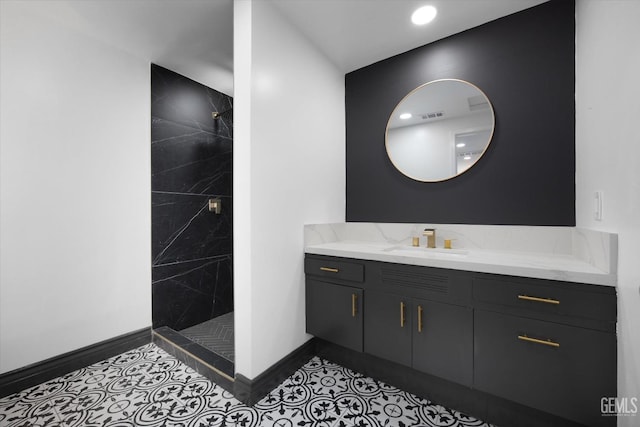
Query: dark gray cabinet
point(334, 314)
point(430, 336)
point(388, 329)
point(443, 340)
point(545, 344)
point(334, 302)
point(559, 369)
point(550, 346)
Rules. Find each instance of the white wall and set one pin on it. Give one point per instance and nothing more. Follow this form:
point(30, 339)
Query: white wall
point(607, 153)
point(288, 170)
point(74, 189)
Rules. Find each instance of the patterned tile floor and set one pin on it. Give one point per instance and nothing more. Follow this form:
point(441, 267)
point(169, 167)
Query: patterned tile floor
point(148, 387)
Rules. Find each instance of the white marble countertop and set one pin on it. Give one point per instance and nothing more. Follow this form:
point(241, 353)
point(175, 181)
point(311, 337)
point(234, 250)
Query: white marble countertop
point(541, 265)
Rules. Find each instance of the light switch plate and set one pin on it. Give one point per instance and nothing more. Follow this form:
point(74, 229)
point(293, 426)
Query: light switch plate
point(597, 214)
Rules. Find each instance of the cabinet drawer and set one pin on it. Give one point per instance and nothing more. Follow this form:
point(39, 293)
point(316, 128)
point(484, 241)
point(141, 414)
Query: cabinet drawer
point(334, 268)
point(558, 298)
point(559, 369)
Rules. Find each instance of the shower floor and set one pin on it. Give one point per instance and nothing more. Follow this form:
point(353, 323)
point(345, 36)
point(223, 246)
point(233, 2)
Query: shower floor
point(215, 335)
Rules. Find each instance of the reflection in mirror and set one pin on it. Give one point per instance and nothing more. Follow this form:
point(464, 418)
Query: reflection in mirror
point(439, 130)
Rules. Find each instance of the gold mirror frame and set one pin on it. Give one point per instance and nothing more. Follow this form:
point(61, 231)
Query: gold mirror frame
point(445, 113)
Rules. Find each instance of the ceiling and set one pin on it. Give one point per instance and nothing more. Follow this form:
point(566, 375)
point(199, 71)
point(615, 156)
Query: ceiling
point(195, 37)
point(357, 33)
point(192, 37)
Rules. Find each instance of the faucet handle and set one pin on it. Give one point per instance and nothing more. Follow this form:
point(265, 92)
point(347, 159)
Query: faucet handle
point(431, 237)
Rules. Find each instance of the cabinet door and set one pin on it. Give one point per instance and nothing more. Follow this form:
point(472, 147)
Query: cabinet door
point(443, 340)
point(560, 369)
point(334, 313)
point(387, 327)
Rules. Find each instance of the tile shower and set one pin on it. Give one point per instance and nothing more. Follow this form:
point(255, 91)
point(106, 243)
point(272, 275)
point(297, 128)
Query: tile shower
point(191, 164)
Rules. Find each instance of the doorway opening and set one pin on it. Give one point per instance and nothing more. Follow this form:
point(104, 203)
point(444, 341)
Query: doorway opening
point(192, 221)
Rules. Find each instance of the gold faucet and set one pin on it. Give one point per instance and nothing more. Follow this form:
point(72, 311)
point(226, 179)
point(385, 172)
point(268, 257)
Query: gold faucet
point(431, 237)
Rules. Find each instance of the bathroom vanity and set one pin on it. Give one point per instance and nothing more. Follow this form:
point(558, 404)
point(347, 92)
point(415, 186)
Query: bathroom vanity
point(530, 327)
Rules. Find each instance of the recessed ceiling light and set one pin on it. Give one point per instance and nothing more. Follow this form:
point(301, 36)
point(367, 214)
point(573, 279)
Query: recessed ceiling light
point(405, 116)
point(424, 15)
point(460, 144)
point(467, 157)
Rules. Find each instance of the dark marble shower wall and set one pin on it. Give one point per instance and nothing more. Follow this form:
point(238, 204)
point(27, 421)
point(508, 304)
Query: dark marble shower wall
point(191, 162)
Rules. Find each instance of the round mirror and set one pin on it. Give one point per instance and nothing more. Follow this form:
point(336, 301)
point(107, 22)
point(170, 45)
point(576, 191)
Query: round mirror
point(439, 130)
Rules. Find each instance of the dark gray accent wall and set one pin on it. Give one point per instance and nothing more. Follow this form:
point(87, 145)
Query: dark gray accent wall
point(525, 64)
point(191, 162)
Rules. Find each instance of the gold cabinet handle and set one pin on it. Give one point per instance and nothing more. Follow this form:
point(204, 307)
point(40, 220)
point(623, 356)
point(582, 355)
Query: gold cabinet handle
point(537, 341)
point(419, 318)
point(537, 299)
point(354, 305)
point(401, 314)
point(329, 269)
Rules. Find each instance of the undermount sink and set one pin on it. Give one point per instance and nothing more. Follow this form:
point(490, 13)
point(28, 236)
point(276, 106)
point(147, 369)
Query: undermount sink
point(427, 252)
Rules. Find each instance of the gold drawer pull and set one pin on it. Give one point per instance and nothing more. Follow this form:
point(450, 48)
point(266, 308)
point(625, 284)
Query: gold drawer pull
point(402, 314)
point(354, 305)
point(537, 341)
point(329, 269)
point(536, 299)
point(419, 318)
